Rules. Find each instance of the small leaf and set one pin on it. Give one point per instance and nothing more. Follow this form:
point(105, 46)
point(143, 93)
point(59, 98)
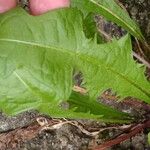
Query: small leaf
point(90, 28)
point(84, 104)
point(111, 11)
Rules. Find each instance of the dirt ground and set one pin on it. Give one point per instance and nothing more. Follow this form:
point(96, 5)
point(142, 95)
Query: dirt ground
point(34, 131)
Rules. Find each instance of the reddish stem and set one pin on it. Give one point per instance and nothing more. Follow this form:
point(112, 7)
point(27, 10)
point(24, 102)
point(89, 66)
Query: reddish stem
point(136, 129)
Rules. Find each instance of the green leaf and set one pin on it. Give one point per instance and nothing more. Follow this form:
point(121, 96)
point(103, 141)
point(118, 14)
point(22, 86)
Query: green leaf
point(111, 11)
point(30, 77)
point(111, 66)
point(82, 103)
point(90, 28)
point(38, 56)
point(32, 68)
point(148, 138)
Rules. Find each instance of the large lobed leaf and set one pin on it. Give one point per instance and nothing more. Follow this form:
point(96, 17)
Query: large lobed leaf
point(36, 63)
point(38, 56)
point(111, 11)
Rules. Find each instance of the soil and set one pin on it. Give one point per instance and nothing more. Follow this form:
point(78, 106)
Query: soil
point(34, 131)
point(26, 132)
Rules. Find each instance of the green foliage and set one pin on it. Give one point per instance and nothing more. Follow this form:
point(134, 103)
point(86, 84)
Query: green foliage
point(82, 103)
point(148, 138)
point(90, 28)
point(110, 10)
point(37, 59)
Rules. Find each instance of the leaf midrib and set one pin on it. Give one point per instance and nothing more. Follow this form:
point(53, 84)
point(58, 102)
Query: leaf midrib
point(70, 52)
